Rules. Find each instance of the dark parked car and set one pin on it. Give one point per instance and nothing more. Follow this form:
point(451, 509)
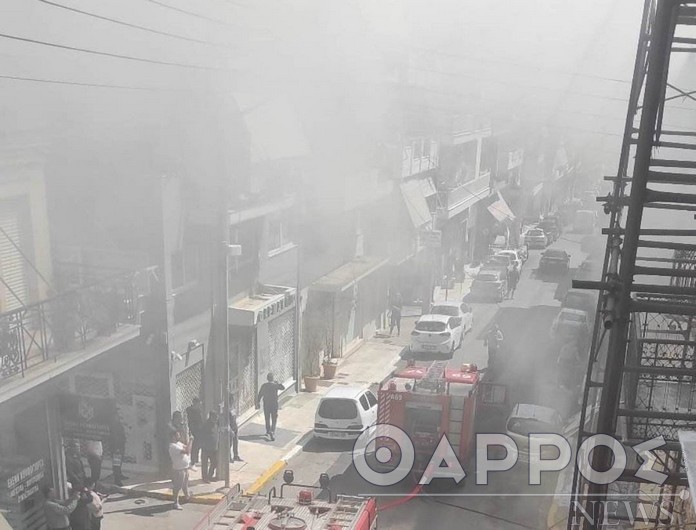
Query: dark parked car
point(554, 260)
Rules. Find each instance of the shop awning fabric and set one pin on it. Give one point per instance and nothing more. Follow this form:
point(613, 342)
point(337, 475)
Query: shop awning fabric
point(414, 193)
point(500, 210)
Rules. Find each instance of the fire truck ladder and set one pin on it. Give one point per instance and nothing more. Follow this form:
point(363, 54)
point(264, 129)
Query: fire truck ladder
point(433, 378)
point(641, 382)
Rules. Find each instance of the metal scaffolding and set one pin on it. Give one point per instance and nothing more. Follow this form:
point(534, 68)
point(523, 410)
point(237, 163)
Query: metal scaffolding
point(641, 376)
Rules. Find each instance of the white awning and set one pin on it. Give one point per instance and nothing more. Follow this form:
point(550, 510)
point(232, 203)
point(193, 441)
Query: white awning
point(414, 193)
point(500, 210)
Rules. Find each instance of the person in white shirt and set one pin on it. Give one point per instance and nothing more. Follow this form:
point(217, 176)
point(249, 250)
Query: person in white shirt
point(181, 461)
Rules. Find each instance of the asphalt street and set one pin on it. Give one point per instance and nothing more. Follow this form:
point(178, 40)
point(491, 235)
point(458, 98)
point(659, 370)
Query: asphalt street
point(529, 372)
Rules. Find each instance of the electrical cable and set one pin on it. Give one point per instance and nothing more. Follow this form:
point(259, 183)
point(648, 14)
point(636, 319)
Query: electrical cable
point(526, 66)
point(92, 85)
point(134, 26)
point(109, 54)
point(193, 14)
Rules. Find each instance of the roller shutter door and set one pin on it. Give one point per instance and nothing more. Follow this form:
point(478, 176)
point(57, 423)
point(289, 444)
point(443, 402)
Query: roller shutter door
point(12, 264)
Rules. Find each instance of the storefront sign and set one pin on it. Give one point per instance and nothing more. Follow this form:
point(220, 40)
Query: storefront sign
point(86, 418)
point(25, 483)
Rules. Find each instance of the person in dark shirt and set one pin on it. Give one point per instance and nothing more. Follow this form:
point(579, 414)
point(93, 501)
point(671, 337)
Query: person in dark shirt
point(177, 425)
point(81, 518)
point(269, 393)
point(209, 446)
point(74, 467)
point(194, 416)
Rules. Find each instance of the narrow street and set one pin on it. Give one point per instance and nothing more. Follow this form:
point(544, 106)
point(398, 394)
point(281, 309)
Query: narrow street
point(525, 321)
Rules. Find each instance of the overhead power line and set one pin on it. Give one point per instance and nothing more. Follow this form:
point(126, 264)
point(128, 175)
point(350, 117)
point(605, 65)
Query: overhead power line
point(109, 54)
point(527, 66)
point(134, 26)
point(91, 85)
point(193, 14)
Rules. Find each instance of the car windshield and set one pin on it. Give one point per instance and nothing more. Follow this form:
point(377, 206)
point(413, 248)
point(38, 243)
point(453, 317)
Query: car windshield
point(573, 317)
point(448, 310)
point(430, 325)
point(487, 277)
point(527, 426)
point(338, 409)
point(535, 233)
point(554, 254)
point(502, 258)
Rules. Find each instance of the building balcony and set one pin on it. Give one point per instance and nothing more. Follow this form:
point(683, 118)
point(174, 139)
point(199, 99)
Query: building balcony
point(466, 129)
point(455, 200)
point(45, 339)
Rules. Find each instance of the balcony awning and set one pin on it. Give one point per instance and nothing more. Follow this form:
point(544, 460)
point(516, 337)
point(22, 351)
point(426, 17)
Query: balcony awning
point(348, 275)
point(500, 210)
point(414, 193)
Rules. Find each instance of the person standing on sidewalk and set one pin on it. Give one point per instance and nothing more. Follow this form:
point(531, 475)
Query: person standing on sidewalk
point(58, 512)
point(395, 317)
point(210, 441)
point(95, 452)
point(118, 450)
point(513, 279)
point(269, 393)
point(234, 432)
point(96, 507)
point(179, 455)
point(179, 426)
point(194, 417)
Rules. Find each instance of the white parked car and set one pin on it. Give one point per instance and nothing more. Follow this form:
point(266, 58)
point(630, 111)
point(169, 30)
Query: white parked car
point(455, 309)
point(345, 412)
point(535, 238)
point(437, 334)
point(526, 419)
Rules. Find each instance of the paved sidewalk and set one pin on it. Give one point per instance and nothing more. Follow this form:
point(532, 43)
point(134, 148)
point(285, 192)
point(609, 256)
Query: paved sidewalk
point(369, 364)
point(263, 459)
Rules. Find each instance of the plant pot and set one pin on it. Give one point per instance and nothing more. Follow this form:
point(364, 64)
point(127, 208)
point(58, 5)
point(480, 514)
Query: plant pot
point(330, 370)
point(310, 383)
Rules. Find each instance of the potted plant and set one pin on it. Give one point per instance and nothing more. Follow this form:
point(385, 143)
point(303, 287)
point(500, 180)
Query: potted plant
point(330, 365)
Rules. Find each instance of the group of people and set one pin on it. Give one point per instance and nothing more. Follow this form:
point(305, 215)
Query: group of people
point(200, 442)
point(84, 509)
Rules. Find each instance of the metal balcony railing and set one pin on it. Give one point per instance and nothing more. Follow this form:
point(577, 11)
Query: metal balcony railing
point(68, 322)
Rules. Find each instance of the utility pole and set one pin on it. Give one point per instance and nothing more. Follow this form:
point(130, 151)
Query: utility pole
point(221, 251)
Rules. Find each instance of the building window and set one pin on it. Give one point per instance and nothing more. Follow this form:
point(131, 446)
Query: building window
point(279, 237)
point(185, 266)
point(418, 149)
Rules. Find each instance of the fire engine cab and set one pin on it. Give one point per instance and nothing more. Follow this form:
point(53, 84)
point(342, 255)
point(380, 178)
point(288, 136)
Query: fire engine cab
point(428, 401)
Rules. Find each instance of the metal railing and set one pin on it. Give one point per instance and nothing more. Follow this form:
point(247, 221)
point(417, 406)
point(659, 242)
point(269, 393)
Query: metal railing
point(69, 321)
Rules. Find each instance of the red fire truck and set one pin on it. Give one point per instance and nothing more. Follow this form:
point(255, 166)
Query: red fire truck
point(431, 400)
point(291, 512)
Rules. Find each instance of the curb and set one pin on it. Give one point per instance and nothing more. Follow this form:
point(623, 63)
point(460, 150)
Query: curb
point(266, 477)
point(203, 498)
